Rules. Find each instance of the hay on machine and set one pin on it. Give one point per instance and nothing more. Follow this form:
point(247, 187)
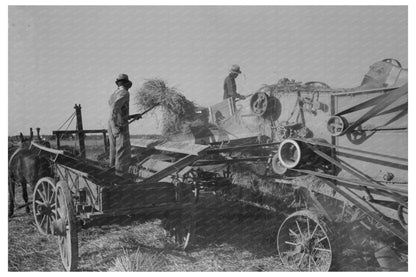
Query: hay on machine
point(177, 110)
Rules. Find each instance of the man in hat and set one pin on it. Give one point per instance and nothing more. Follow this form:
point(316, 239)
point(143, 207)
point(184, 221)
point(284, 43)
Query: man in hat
point(118, 126)
point(230, 88)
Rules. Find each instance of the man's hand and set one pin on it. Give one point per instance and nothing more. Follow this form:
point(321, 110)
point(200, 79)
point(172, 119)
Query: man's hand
point(135, 116)
point(116, 131)
point(242, 97)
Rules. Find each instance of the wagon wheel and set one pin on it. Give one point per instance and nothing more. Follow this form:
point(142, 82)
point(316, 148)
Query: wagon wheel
point(44, 205)
point(259, 103)
point(184, 230)
point(184, 223)
point(65, 226)
point(303, 243)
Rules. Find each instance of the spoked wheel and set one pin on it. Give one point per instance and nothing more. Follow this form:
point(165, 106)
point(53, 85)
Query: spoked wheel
point(44, 205)
point(184, 230)
point(181, 222)
point(65, 226)
point(303, 243)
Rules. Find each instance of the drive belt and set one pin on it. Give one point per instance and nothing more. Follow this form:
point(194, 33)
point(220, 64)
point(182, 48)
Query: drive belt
point(357, 200)
point(396, 194)
point(337, 147)
point(378, 103)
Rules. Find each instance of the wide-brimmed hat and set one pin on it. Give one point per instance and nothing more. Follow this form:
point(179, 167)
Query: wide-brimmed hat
point(235, 68)
point(124, 78)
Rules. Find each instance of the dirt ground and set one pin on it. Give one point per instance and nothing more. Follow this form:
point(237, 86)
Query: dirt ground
point(229, 237)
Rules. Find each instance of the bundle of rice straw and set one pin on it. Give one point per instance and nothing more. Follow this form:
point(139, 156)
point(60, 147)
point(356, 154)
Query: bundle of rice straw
point(176, 109)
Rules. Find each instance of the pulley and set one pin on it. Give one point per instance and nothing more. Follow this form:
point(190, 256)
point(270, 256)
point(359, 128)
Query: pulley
point(259, 103)
point(290, 153)
point(294, 153)
point(336, 125)
point(277, 167)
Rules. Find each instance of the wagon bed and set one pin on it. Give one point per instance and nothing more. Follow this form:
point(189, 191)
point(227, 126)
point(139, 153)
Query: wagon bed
point(81, 191)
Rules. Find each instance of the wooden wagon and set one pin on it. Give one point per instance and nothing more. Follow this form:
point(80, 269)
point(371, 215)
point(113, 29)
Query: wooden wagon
point(82, 192)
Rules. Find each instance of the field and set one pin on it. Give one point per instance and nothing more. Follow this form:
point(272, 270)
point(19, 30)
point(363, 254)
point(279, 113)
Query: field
point(230, 236)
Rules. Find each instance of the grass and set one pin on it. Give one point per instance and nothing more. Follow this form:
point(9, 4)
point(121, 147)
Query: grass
point(142, 244)
point(28, 249)
point(138, 261)
point(230, 236)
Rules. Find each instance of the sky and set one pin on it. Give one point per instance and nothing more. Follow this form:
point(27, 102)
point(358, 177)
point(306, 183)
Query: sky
point(65, 55)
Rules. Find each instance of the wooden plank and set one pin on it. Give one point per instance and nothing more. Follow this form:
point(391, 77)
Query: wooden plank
point(97, 174)
point(155, 165)
point(187, 160)
point(180, 173)
point(242, 147)
point(76, 131)
point(184, 147)
point(106, 146)
point(135, 196)
point(338, 93)
point(58, 142)
point(44, 148)
point(171, 207)
point(73, 171)
point(80, 134)
point(144, 143)
point(211, 115)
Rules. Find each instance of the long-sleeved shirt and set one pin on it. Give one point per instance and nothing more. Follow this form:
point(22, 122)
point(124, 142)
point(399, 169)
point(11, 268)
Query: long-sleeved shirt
point(119, 107)
point(230, 88)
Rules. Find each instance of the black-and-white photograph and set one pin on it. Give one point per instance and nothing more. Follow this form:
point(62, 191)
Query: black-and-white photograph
point(207, 138)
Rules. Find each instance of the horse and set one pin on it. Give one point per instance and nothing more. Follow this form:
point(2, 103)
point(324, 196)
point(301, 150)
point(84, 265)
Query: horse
point(25, 168)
